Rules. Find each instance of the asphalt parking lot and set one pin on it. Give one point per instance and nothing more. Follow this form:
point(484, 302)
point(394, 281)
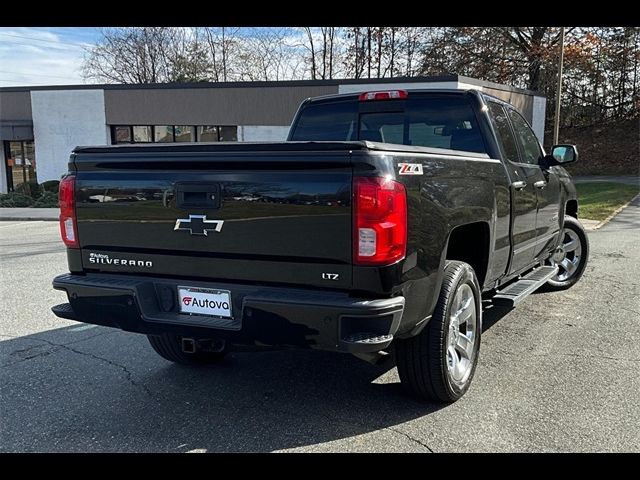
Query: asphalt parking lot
point(559, 373)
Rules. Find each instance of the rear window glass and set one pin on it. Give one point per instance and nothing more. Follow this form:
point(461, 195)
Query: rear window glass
point(327, 121)
point(431, 121)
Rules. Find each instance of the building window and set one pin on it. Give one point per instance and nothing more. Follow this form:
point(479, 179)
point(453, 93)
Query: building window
point(173, 133)
point(228, 133)
point(122, 134)
point(142, 133)
point(207, 133)
point(185, 133)
point(163, 133)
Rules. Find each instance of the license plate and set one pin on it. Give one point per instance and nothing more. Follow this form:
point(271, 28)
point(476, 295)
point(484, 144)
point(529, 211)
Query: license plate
point(205, 301)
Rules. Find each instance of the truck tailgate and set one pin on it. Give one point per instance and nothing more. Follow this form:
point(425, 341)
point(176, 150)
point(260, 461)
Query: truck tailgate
point(259, 216)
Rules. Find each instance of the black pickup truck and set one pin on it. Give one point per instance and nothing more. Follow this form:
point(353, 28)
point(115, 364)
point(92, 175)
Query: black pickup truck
point(378, 228)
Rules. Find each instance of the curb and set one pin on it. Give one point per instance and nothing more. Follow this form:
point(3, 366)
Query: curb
point(616, 212)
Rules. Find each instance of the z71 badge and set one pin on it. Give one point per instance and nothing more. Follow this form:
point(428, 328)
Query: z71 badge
point(410, 169)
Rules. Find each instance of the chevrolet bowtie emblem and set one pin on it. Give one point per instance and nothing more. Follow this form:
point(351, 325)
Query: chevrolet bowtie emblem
point(198, 225)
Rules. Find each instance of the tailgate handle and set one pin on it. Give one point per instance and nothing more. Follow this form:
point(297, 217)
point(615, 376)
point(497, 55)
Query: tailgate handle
point(198, 195)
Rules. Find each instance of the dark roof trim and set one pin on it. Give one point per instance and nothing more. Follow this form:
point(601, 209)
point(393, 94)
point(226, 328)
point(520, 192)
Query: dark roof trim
point(16, 130)
point(16, 123)
point(283, 83)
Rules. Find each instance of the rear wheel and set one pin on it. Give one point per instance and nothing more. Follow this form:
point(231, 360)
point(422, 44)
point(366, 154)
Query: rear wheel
point(439, 363)
point(169, 347)
point(570, 257)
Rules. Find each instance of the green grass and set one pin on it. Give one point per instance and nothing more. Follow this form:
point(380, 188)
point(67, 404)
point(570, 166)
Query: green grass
point(598, 200)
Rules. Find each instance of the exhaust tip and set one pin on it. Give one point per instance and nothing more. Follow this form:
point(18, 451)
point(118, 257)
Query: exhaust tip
point(218, 345)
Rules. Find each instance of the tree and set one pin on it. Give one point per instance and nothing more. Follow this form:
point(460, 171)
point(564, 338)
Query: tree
point(601, 63)
point(321, 45)
point(534, 43)
point(147, 55)
point(191, 64)
point(130, 55)
point(268, 54)
point(602, 75)
point(223, 49)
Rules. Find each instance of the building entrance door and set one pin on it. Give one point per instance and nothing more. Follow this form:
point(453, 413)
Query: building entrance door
point(20, 163)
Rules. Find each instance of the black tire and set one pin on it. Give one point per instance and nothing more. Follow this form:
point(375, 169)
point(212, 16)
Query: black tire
point(169, 347)
point(555, 284)
point(422, 360)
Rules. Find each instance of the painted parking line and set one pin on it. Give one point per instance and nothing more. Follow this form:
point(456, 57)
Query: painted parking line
point(18, 223)
point(83, 327)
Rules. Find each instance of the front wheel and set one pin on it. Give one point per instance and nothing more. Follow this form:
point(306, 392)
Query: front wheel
point(439, 363)
point(570, 257)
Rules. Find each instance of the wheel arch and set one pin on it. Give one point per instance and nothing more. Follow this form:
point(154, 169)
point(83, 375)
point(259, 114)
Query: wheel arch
point(571, 208)
point(477, 255)
point(456, 247)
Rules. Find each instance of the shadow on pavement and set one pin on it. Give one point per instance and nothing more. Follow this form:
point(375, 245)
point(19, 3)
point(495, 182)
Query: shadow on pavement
point(492, 314)
point(105, 390)
point(85, 388)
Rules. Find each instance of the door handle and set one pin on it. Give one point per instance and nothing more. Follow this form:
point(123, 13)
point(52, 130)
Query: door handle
point(519, 185)
point(540, 184)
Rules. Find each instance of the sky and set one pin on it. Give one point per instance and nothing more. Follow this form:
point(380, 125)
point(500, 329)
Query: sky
point(43, 56)
point(49, 55)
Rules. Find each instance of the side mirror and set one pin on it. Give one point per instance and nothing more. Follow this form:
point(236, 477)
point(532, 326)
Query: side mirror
point(564, 154)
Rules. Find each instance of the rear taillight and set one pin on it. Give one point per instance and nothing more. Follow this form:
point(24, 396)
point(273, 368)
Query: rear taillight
point(67, 200)
point(380, 221)
point(384, 95)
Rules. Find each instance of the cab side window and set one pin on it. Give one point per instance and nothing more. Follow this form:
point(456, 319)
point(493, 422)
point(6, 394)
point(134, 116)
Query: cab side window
point(529, 146)
point(504, 134)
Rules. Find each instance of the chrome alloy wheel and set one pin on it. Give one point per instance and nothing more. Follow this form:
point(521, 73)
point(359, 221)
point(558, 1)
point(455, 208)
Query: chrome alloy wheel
point(567, 256)
point(461, 336)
